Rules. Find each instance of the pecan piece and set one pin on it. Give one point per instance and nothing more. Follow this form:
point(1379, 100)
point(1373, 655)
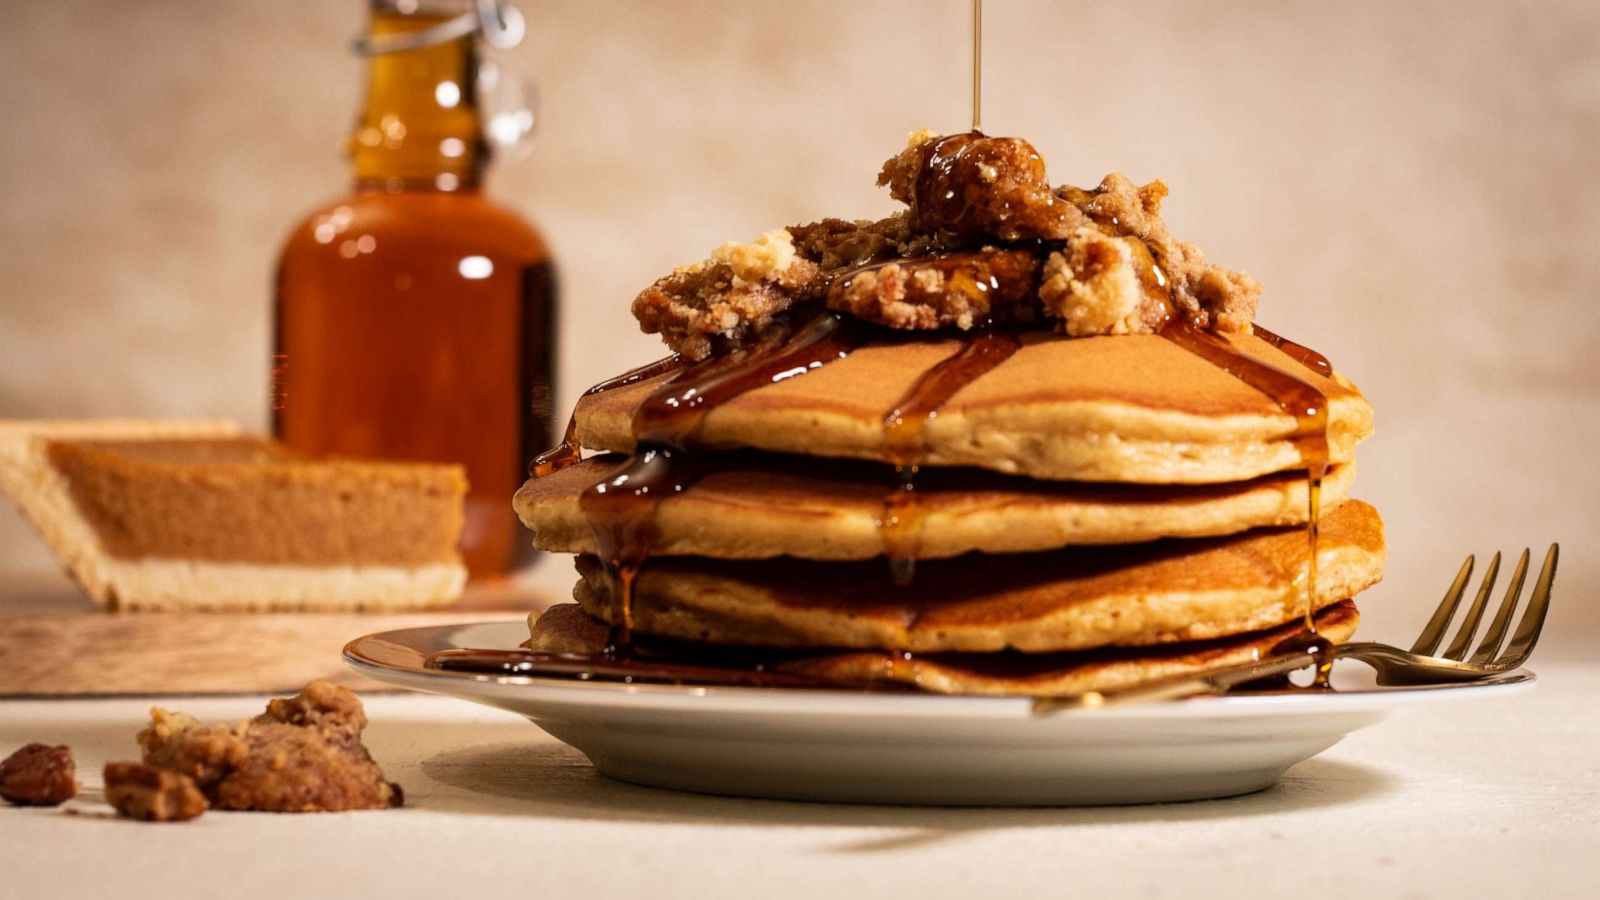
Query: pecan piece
point(152, 794)
point(38, 775)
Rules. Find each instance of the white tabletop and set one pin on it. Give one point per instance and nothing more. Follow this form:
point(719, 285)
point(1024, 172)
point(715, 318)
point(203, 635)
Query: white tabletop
point(1494, 798)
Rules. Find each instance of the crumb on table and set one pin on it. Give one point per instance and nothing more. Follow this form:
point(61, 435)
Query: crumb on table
point(39, 775)
point(152, 794)
point(304, 754)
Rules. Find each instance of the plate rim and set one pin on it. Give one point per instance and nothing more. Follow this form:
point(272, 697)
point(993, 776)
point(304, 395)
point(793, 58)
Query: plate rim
point(801, 700)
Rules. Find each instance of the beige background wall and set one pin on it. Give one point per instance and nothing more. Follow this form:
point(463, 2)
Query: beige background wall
point(1416, 183)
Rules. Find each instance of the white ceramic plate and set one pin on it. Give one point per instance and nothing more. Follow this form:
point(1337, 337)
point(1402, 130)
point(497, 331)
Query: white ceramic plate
point(910, 748)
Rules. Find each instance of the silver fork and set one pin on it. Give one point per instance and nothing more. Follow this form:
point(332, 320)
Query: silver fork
point(1394, 666)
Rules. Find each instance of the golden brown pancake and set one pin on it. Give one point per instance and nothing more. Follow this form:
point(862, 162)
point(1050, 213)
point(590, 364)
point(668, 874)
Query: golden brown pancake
point(566, 629)
point(752, 506)
point(1073, 599)
point(1060, 674)
point(1129, 408)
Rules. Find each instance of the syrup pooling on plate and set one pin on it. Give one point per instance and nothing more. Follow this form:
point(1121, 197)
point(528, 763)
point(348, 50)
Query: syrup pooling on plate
point(1319, 648)
point(676, 662)
point(621, 508)
point(638, 666)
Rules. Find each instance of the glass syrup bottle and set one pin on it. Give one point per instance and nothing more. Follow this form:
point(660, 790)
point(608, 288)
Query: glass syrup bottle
point(415, 318)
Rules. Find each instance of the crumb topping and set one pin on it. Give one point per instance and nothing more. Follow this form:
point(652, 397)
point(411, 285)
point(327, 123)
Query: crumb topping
point(304, 754)
point(835, 244)
point(770, 258)
point(701, 309)
point(1213, 297)
point(970, 186)
point(960, 290)
point(1091, 287)
point(984, 238)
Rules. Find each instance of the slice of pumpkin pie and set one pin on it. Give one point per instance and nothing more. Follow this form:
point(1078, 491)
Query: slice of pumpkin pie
point(193, 516)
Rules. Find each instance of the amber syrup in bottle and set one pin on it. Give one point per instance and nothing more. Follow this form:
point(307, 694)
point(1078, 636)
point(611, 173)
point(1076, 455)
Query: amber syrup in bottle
point(415, 317)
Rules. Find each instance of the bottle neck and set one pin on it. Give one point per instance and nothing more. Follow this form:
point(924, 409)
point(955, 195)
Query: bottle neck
point(419, 129)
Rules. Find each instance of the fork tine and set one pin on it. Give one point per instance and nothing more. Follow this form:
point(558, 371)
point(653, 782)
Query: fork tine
point(1533, 617)
point(1469, 624)
point(1496, 635)
point(1433, 632)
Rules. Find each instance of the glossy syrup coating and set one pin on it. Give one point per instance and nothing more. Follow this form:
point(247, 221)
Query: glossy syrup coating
point(959, 290)
point(985, 239)
point(978, 187)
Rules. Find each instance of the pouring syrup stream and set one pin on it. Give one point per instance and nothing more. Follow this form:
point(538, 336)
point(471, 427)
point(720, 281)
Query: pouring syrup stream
point(977, 66)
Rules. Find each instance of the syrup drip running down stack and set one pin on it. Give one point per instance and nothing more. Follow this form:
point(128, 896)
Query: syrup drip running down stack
point(1014, 440)
point(623, 506)
point(1159, 511)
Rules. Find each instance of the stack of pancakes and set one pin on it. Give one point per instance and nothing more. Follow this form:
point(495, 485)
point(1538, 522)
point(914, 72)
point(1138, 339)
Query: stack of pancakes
point(1089, 513)
point(1014, 439)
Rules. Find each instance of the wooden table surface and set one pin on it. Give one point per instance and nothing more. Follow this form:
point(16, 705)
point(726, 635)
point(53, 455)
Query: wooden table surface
point(55, 642)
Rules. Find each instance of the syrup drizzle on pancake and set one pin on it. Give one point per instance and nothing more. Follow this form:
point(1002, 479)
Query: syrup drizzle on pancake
point(904, 443)
point(1296, 395)
point(1320, 649)
point(1300, 353)
point(569, 452)
point(621, 508)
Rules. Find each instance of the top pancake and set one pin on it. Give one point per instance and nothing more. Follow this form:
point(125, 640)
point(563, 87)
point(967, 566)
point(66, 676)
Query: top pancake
point(1129, 408)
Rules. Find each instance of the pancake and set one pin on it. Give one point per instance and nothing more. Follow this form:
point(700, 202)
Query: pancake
point(1128, 408)
point(753, 506)
point(1061, 674)
point(1074, 599)
point(565, 629)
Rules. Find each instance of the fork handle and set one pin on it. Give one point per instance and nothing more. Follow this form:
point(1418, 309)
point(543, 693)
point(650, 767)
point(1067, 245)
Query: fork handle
point(1215, 681)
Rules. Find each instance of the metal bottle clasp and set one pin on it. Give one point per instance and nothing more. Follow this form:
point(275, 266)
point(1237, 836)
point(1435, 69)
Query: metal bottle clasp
point(501, 25)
